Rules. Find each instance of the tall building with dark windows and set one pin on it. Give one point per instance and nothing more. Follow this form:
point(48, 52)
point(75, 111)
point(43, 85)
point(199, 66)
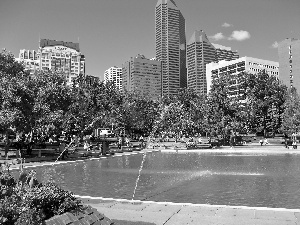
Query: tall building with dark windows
point(199, 53)
point(289, 62)
point(170, 44)
point(143, 76)
point(225, 53)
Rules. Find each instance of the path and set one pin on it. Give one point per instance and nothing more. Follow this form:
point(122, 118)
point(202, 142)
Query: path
point(182, 214)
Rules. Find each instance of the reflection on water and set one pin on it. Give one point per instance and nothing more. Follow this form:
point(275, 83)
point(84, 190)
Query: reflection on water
point(251, 180)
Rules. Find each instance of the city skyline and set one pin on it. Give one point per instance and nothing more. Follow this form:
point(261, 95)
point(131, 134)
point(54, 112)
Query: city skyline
point(110, 31)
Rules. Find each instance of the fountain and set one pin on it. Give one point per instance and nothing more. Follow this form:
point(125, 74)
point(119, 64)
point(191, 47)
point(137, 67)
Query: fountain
point(137, 180)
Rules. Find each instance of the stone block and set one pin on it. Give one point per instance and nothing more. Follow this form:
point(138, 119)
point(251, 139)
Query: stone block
point(71, 217)
point(65, 218)
point(50, 221)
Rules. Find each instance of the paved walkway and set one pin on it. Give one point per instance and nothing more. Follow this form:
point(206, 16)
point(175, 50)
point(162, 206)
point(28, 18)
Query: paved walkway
point(180, 214)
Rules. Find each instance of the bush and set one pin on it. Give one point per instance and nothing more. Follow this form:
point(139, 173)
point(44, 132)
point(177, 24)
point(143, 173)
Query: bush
point(26, 201)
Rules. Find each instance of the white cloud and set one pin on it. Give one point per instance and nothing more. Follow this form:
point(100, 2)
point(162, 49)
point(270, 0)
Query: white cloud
point(239, 35)
point(275, 44)
point(226, 25)
point(217, 37)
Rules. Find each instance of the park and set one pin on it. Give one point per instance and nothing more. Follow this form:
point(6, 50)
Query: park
point(243, 154)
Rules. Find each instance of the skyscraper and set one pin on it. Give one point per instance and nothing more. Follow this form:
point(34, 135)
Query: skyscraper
point(142, 75)
point(170, 44)
point(224, 53)
point(199, 53)
point(289, 62)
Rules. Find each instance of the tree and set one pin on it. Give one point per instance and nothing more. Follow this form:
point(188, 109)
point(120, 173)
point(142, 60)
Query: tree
point(181, 114)
point(30, 101)
point(138, 113)
point(265, 96)
point(92, 106)
point(291, 114)
point(12, 75)
point(224, 106)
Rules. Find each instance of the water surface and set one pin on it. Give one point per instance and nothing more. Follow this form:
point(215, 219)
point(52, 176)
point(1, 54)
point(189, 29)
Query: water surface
point(219, 179)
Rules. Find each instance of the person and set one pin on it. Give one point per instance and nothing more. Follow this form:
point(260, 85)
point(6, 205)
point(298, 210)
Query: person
point(286, 142)
point(294, 144)
point(182, 139)
point(120, 143)
point(261, 142)
point(167, 138)
point(50, 140)
point(62, 147)
point(142, 140)
point(127, 141)
point(7, 145)
point(266, 141)
point(200, 140)
point(86, 145)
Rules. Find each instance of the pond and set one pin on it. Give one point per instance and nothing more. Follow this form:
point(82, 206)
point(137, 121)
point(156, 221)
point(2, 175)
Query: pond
point(219, 179)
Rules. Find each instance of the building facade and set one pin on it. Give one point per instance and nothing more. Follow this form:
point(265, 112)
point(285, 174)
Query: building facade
point(170, 46)
point(224, 53)
point(289, 62)
point(56, 56)
point(143, 76)
point(114, 75)
point(30, 60)
point(200, 52)
point(235, 67)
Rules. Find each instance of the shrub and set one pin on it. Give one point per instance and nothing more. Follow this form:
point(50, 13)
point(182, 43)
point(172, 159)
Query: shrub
point(26, 201)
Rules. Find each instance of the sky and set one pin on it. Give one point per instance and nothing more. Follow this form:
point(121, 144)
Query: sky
point(109, 32)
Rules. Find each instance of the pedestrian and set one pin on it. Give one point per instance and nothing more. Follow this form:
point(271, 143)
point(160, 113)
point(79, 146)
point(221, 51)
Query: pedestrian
point(142, 141)
point(200, 140)
point(266, 141)
point(261, 142)
point(120, 143)
point(294, 144)
point(7, 145)
point(286, 142)
point(167, 138)
point(62, 147)
point(127, 141)
point(86, 145)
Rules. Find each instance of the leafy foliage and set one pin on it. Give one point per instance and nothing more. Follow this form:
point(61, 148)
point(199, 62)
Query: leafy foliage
point(265, 96)
point(26, 201)
point(291, 114)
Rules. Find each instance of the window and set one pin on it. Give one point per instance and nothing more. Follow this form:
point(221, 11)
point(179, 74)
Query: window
point(291, 61)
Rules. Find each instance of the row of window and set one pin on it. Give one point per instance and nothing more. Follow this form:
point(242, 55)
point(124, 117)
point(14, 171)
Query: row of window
point(262, 65)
